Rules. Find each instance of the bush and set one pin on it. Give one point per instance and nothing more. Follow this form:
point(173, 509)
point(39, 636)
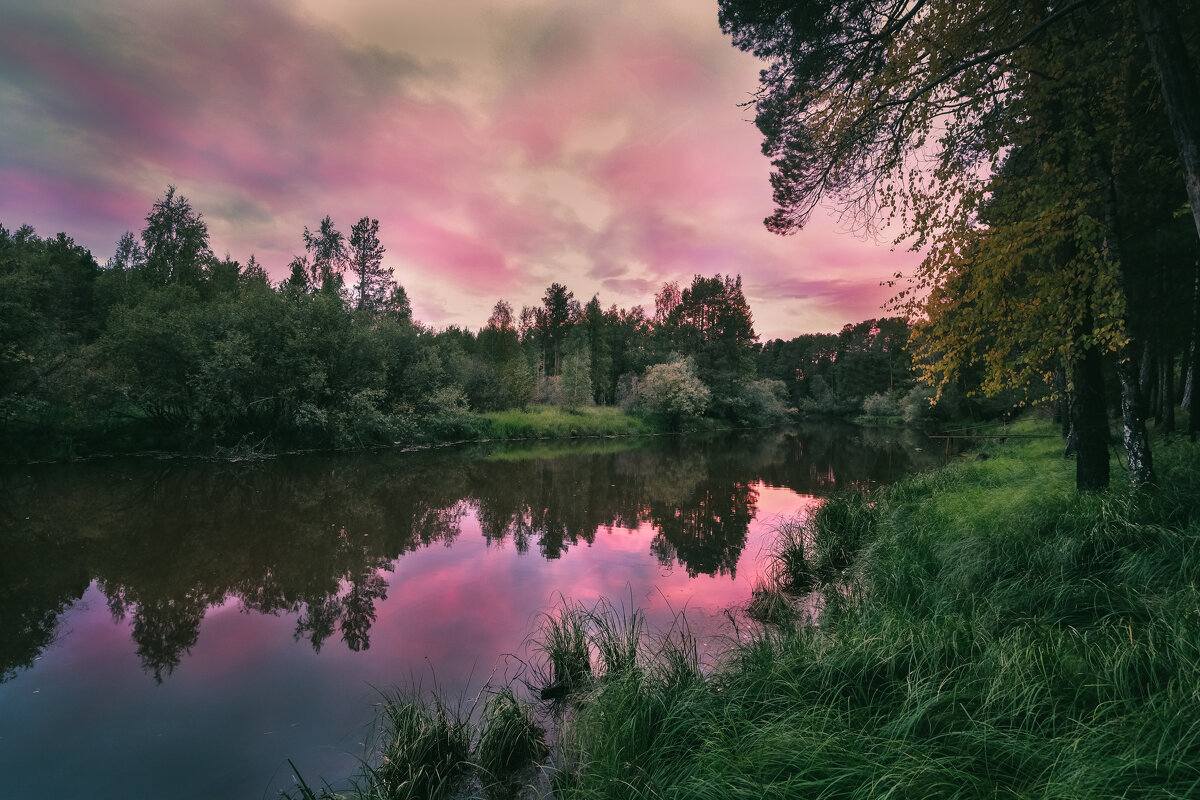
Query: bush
point(883, 405)
point(672, 391)
point(449, 417)
point(919, 406)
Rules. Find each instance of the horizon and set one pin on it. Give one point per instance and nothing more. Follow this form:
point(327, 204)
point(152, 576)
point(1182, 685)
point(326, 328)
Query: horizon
point(599, 147)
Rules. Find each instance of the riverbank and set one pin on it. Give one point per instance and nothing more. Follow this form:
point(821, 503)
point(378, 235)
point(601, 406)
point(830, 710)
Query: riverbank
point(986, 631)
point(997, 635)
point(535, 422)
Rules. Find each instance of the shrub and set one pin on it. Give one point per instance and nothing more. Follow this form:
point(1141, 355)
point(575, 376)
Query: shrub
point(882, 405)
point(672, 391)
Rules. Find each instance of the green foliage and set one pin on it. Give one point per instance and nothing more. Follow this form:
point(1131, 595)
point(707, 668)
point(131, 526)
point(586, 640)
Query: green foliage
point(574, 386)
point(168, 347)
point(882, 405)
point(672, 391)
point(174, 242)
point(757, 403)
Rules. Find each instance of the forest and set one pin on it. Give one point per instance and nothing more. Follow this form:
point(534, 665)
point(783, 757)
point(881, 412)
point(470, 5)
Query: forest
point(167, 346)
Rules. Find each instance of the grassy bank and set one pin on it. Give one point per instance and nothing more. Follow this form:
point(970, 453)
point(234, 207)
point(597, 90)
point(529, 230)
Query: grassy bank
point(987, 632)
point(996, 635)
point(556, 423)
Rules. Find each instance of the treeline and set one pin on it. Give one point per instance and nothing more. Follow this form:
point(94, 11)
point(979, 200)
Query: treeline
point(169, 346)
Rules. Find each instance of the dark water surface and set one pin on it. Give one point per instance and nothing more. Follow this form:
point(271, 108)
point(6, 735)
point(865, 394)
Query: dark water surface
point(174, 629)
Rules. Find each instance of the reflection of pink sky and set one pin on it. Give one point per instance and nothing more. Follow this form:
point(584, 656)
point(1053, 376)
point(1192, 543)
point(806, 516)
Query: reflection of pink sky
point(502, 145)
point(250, 696)
point(442, 601)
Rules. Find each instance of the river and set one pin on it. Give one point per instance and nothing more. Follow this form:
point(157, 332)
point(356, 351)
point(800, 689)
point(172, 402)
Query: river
point(180, 629)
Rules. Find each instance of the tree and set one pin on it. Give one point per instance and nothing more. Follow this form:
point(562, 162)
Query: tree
point(175, 241)
point(712, 323)
point(366, 261)
point(575, 381)
point(673, 391)
point(502, 316)
point(856, 89)
point(328, 257)
point(559, 310)
point(298, 277)
point(126, 265)
point(254, 274)
point(596, 325)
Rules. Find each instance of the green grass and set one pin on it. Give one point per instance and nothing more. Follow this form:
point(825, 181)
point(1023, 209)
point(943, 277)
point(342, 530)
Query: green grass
point(509, 740)
point(552, 422)
point(991, 634)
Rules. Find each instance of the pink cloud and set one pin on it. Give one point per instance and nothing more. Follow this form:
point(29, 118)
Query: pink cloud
point(268, 120)
point(464, 260)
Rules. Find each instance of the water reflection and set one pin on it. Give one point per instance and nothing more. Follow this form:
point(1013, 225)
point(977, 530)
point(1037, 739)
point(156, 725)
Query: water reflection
point(314, 537)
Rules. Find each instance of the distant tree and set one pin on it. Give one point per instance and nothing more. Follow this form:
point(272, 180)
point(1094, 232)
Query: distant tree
point(221, 277)
point(124, 267)
point(712, 323)
point(328, 256)
point(596, 324)
point(397, 305)
point(366, 261)
point(175, 241)
point(559, 310)
point(671, 390)
point(502, 316)
point(298, 276)
point(575, 380)
point(666, 301)
point(254, 273)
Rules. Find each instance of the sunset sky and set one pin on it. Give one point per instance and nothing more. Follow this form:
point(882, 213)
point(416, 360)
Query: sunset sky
point(502, 145)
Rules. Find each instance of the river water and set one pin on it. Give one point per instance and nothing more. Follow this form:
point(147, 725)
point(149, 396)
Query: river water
point(174, 629)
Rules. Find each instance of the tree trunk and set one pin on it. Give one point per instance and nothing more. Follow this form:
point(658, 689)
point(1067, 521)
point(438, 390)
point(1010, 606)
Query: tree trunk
point(1164, 40)
point(1189, 392)
point(1166, 391)
point(1145, 365)
point(1133, 403)
point(1089, 422)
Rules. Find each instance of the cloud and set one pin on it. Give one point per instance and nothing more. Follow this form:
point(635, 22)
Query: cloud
point(600, 145)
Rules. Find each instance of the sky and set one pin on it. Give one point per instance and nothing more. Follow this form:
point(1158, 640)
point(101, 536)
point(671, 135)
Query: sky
point(502, 144)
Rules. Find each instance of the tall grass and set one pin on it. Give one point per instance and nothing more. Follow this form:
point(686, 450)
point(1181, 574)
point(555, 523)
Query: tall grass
point(553, 422)
point(509, 740)
point(1006, 637)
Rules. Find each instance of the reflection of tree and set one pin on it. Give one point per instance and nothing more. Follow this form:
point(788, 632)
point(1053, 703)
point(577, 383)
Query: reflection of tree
point(359, 612)
point(318, 620)
point(706, 535)
point(37, 583)
point(163, 627)
point(311, 536)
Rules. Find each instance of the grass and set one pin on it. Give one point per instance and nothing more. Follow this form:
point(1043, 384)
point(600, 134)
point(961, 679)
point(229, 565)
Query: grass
point(553, 422)
point(509, 741)
point(1004, 637)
